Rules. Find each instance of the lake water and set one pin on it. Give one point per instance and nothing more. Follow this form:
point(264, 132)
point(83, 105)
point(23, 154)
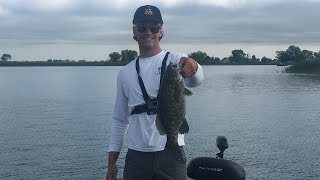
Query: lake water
point(54, 121)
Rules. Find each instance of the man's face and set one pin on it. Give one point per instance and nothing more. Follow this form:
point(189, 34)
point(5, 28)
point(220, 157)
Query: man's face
point(148, 34)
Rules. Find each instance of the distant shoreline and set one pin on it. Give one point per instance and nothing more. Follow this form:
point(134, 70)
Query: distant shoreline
point(95, 63)
point(44, 63)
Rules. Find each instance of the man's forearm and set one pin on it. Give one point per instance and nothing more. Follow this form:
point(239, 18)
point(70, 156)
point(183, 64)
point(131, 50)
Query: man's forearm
point(112, 166)
point(113, 157)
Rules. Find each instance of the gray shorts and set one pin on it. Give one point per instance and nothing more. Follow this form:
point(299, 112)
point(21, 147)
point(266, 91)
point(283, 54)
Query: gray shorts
point(169, 164)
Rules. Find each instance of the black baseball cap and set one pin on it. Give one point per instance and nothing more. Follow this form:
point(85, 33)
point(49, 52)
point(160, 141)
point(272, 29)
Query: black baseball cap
point(147, 13)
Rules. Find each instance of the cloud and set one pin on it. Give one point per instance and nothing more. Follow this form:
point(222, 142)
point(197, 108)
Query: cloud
point(2, 11)
point(269, 24)
point(100, 22)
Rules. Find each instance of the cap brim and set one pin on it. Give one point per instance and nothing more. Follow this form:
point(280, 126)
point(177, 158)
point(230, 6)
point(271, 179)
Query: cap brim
point(142, 20)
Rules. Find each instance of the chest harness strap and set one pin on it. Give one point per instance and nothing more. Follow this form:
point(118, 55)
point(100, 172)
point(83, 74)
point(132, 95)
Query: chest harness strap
point(151, 105)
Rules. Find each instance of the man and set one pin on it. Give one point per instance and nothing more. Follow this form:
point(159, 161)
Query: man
point(147, 158)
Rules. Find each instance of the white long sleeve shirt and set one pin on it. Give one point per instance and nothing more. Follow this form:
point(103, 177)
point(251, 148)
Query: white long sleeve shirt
point(142, 134)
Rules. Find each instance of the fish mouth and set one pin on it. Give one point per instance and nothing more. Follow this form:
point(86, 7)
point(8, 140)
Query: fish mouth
point(175, 66)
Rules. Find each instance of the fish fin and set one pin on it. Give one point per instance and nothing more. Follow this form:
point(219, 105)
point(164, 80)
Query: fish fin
point(187, 92)
point(184, 128)
point(160, 126)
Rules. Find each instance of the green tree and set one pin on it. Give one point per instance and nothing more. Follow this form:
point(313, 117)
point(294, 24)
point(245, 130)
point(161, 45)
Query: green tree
point(115, 56)
point(252, 60)
point(200, 57)
point(282, 56)
point(266, 60)
point(294, 54)
point(128, 55)
point(317, 55)
point(307, 55)
point(216, 60)
point(238, 56)
point(5, 57)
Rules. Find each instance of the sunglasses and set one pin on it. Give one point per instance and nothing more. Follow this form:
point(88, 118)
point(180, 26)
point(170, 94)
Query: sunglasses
point(142, 28)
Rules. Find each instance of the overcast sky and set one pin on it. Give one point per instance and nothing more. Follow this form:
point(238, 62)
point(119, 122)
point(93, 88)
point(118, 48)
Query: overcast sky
point(92, 29)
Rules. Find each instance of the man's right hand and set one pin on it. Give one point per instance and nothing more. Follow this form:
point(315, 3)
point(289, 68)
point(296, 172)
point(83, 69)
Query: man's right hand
point(112, 165)
point(112, 172)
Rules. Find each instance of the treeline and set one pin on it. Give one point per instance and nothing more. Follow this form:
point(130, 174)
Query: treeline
point(290, 56)
point(61, 63)
point(237, 57)
point(295, 54)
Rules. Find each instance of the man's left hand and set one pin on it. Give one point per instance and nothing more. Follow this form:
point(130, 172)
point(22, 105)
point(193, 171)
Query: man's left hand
point(190, 66)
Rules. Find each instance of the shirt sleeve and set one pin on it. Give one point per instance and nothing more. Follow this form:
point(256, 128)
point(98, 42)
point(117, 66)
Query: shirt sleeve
point(196, 79)
point(120, 117)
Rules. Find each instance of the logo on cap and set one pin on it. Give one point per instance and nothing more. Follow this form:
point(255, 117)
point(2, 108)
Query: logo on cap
point(148, 11)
